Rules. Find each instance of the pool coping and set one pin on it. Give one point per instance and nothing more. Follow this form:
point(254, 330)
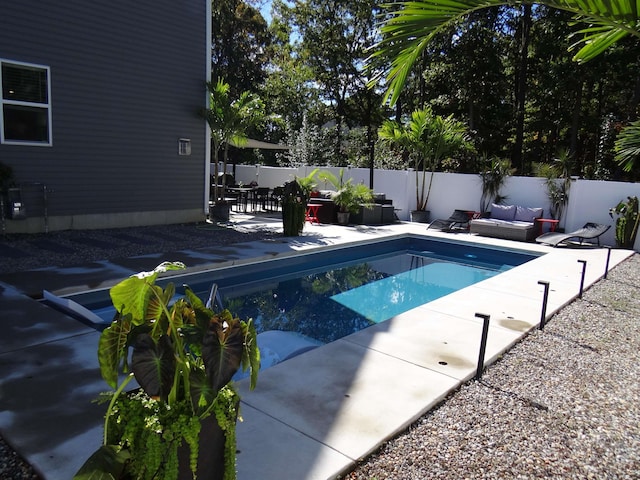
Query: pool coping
point(312, 417)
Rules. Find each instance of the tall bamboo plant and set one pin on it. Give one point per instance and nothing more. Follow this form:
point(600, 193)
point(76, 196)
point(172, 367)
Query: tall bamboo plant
point(428, 138)
point(229, 120)
point(557, 178)
point(493, 174)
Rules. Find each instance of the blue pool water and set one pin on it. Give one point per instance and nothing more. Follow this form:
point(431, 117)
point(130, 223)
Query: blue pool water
point(307, 300)
point(332, 301)
point(390, 296)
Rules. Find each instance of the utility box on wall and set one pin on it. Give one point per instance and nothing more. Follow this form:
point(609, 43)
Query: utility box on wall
point(15, 205)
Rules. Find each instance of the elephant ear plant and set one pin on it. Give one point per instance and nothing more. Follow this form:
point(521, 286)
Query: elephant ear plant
point(183, 357)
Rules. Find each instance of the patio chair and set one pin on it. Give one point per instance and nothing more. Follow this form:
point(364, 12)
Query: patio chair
point(459, 220)
point(261, 198)
point(276, 197)
point(590, 231)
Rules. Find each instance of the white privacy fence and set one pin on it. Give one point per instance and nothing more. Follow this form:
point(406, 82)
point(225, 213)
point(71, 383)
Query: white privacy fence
point(589, 200)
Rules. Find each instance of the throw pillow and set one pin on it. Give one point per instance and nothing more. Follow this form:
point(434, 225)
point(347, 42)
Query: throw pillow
point(525, 214)
point(503, 212)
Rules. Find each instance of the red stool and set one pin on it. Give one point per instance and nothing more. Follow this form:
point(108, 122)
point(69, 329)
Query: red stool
point(311, 215)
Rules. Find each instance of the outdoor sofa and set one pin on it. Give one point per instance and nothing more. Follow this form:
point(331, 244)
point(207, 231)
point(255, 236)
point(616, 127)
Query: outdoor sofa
point(510, 222)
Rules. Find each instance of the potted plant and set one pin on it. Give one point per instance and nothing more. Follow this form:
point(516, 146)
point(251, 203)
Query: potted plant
point(627, 222)
point(349, 197)
point(183, 357)
point(229, 120)
point(557, 178)
point(427, 138)
point(295, 195)
point(493, 174)
point(294, 205)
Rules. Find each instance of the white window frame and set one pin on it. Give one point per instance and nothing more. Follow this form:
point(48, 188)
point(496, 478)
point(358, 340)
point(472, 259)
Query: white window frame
point(47, 106)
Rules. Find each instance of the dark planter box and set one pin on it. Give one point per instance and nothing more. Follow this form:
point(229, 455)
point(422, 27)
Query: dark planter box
point(368, 216)
point(327, 212)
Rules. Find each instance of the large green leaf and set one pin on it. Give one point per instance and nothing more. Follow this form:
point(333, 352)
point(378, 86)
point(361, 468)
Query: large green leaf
point(106, 463)
point(154, 365)
point(202, 313)
point(251, 354)
point(410, 26)
point(202, 394)
point(112, 348)
point(131, 296)
point(222, 349)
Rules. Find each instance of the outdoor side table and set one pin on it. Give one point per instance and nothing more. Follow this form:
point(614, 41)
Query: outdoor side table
point(553, 223)
point(311, 215)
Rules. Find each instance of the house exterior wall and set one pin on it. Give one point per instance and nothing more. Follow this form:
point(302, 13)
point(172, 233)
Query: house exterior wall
point(127, 81)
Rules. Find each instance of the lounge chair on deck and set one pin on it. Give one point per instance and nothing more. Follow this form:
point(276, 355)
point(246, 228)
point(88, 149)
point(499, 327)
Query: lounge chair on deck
point(459, 220)
point(588, 232)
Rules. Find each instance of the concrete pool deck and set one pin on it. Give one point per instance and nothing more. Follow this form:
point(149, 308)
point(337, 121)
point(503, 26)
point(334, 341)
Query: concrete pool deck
point(311, 417)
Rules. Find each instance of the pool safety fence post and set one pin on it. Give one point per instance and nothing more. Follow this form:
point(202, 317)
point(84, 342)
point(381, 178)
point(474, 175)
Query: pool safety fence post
point(545, 298)
point(606, 267)
point(584, 269)
point(483, 344)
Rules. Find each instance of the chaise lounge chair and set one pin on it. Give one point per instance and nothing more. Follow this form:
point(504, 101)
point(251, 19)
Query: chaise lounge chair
point(589, 231)
point(459, 220)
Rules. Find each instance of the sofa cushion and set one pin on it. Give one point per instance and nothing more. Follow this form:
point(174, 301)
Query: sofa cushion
point(503, 212)
point(526, 214)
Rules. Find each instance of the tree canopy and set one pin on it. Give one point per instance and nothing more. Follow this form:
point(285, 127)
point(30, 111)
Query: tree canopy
point(528, 80)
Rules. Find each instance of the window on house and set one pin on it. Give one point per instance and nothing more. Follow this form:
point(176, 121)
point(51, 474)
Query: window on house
point(25, 103)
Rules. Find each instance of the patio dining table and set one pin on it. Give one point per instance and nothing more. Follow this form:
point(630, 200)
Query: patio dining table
point(244, 196)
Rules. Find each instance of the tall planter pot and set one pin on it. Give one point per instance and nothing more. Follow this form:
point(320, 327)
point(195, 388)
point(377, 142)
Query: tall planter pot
point(220, 211)
point(212, 449)
point(293, 218)
point(343, 218)
point(420, 216)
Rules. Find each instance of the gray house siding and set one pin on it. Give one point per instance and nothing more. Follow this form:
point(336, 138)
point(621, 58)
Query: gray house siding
point(127, 81)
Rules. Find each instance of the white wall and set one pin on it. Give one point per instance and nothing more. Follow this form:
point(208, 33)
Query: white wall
point(589, 200)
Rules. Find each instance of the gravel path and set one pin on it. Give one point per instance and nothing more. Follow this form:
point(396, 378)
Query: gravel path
point(19, 252)
point(562, 404)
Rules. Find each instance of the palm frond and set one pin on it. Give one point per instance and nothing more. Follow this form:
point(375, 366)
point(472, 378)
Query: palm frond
point(627, 146)
point(410, 26)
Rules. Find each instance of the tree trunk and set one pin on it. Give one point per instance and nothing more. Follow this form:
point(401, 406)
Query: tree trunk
point(517, 158)
point(575, 120)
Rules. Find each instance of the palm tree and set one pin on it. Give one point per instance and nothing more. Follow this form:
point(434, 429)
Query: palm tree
point(229, 121)
point(412, 24)
point(428, 138)
point(628, 146)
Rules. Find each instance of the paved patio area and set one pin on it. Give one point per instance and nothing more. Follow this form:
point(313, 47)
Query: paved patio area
point(328, 407)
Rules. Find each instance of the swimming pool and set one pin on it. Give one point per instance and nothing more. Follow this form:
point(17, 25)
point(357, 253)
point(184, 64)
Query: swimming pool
point(306, 300)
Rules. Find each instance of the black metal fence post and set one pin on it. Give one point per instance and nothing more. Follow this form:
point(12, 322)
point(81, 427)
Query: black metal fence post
point(545, 298)
point(483, 344)
point(584, 269)
point(606, 267)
